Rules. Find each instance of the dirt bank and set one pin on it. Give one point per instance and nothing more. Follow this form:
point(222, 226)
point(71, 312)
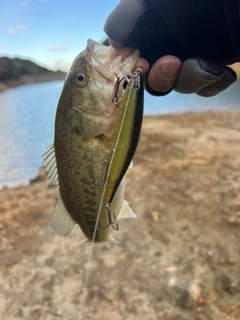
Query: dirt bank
point(182, 259)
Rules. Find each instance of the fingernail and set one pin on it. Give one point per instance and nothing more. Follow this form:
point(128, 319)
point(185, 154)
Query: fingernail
point(169, 71)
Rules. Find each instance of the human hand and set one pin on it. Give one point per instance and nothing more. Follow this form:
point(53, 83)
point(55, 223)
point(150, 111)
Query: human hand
point(204, 77)
point(198, 75)
point(163, 74)
point(185, 30)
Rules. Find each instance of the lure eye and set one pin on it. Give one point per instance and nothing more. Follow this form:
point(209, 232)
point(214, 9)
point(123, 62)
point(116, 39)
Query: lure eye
point(81, 77)
point(136, 85)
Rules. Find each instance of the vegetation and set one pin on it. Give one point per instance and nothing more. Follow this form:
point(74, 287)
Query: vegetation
point(13, 69)
point(15, 72)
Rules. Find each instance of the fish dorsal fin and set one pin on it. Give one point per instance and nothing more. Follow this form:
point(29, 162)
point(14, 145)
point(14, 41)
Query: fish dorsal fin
point(61, 222)
point(126, 211)
point(49, 162)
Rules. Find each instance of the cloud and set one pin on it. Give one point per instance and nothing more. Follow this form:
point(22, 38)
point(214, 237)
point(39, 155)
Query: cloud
point(59, 47)
point(46, 1)
point(25, 3)
point(10, 32)
point(17, 29)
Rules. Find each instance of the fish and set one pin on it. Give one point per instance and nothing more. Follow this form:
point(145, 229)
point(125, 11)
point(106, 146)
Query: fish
point(97, 129)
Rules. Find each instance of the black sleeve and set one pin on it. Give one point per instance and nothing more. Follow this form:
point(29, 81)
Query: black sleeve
point(184, 28)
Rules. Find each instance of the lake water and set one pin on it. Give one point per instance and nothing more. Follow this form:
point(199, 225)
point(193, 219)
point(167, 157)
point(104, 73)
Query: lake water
point(27, 119)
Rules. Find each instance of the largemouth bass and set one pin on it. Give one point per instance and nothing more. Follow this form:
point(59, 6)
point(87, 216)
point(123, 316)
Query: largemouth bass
point(97, 128)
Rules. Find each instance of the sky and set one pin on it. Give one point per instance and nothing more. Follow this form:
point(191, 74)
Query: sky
point(51, 32)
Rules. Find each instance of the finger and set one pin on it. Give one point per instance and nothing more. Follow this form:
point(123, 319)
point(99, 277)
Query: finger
point(203, 76)
point(229, 77)
point(116, 50)
point(143, 65)
point(163, 74)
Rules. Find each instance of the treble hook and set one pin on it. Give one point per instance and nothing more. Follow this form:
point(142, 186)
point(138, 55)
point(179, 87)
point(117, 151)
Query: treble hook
point(105, 177)
point(116, 88)
point(111, 222)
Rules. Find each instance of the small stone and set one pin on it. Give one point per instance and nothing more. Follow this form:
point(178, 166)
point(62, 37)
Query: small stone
point(189, 293)
point(196, 250)
point(171, 269)
point(195, 290)
point(177, 259)
point(184, 299)
point(172, 282)
point(155, 215)
point(201, 301)
point(226, 283)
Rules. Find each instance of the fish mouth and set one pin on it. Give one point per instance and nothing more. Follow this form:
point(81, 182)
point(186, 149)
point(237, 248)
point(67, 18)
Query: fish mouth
point(97, 56)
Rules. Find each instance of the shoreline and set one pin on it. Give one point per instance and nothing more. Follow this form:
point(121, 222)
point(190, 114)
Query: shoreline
point(147, 118)
point(32, 79)
point(58, 76)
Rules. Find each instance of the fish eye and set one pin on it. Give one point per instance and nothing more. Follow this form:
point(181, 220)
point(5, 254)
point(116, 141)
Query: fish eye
point(80, 77)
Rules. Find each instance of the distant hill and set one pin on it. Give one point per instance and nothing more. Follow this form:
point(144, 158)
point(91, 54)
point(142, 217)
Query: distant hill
point(15, 72)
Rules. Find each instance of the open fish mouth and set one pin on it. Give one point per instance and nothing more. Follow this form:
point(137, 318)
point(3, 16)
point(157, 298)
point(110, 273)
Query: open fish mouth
point(97, 56)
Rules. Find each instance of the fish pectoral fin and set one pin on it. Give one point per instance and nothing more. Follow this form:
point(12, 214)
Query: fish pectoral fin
point(61, 222)
point(126, 211)
point(49, 162)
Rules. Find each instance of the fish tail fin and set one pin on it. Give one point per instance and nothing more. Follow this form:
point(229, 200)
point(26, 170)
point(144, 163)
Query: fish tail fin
point(86, 243)
point(110, 240)
point(115, 241)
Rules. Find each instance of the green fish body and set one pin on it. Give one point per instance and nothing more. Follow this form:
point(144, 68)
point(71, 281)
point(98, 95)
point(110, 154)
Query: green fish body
point(94, 143)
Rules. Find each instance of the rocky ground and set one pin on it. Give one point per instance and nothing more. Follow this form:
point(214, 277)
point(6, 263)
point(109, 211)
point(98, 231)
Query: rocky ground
point(182, 258)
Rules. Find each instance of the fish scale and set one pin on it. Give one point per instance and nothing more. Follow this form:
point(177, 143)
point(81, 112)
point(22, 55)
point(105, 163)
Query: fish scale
point(81, 195)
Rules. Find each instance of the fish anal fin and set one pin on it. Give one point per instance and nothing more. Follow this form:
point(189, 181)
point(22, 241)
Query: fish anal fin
point(131, 165)
point(61, 222)
point(126, 211)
